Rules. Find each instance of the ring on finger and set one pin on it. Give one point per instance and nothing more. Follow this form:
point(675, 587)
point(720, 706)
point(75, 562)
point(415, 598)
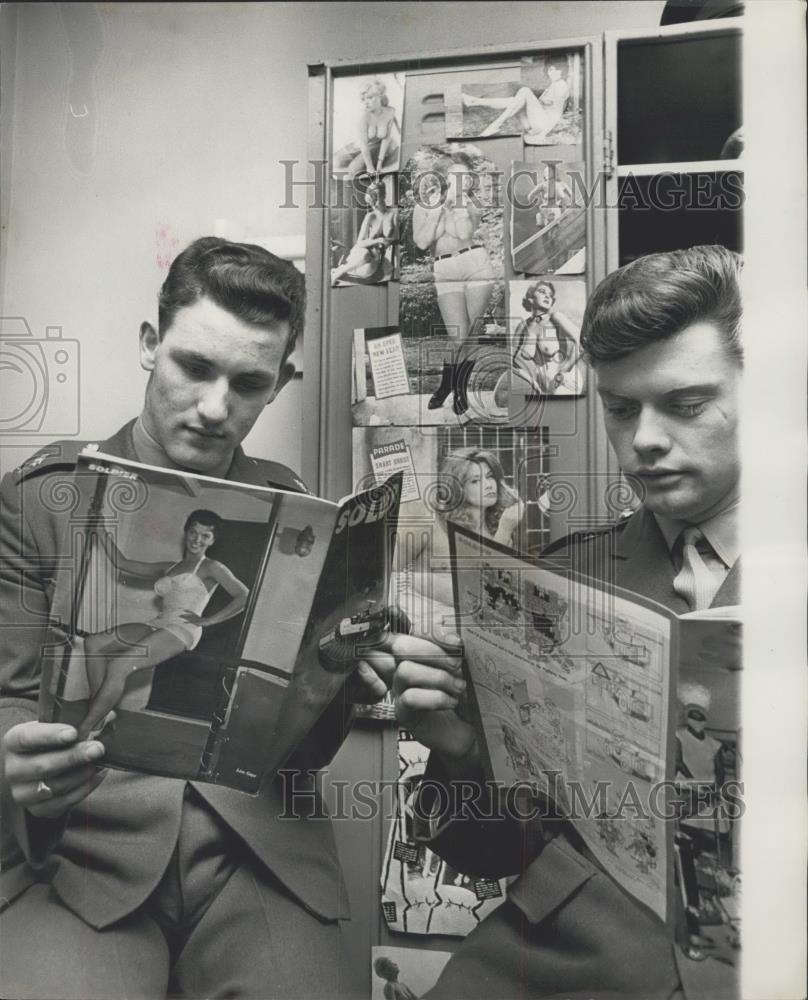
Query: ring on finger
point(42, 788)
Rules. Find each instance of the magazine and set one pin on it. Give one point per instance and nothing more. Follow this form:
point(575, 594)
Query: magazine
point(202, 626)
point(625, 714)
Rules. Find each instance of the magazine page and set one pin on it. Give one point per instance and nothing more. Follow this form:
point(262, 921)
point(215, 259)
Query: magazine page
point(708, 769)
point(184, 609)
point(572, 690)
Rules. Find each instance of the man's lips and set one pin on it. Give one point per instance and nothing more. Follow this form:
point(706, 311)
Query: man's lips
point(202, 433)
point(657, 477)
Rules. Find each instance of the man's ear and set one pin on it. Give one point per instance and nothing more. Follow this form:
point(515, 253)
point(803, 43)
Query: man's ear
point(286, 374)
point(149, 342)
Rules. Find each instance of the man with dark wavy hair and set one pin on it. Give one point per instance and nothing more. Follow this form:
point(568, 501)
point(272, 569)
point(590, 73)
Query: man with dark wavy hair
point(663, 337)
point(119, 884)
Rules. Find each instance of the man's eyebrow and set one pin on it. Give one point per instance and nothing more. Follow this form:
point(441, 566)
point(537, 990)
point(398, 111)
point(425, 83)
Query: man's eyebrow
point(695, 389)
point(610, 393)
point(185, 354)
point(683, 390)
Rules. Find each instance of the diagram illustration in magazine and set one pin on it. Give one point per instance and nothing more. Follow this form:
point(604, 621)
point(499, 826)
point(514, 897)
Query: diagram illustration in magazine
point(207, 624)
point(627, 715)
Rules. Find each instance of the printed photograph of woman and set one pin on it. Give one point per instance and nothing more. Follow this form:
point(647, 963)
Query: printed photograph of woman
point(183, 589)
point(369, 258)
point(367, 124)
point(466, 119)
point(540, 106)
point(484, 478)
point(546, 358)
point(469, 489)
point(447, 227)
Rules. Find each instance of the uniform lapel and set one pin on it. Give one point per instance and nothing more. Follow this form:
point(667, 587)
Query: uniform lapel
point(643, 564)
point(245, 470)
point(729, 592)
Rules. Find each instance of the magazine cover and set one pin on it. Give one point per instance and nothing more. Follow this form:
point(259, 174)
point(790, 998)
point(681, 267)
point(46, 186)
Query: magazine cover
point(207, 624)
point(625, 714)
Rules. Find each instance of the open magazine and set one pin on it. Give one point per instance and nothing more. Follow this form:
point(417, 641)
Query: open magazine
point(625, 714)
point(204, 625)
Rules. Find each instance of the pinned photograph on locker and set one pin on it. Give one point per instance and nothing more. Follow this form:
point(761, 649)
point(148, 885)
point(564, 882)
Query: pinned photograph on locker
point(490, 479)
point(452, 290)
point(544, 105)
point(545, 329)
point(548, 217)
point(364, 231)
point(367, 124)
point(414, 381)
point(550, 102)
point(468, 117)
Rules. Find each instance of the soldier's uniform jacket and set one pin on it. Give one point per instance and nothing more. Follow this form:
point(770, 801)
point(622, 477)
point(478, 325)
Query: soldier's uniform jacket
point(109, 855)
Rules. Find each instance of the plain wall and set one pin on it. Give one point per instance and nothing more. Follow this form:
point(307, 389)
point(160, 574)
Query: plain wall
point(189, 108)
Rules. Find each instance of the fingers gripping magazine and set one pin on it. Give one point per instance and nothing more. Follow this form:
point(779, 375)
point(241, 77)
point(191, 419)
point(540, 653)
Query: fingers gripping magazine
point(625, 714)
point(202, 626)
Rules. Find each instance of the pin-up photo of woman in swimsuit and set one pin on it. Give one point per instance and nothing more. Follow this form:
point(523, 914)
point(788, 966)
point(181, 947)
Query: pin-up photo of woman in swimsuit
point(545, 106)
point(183, 589)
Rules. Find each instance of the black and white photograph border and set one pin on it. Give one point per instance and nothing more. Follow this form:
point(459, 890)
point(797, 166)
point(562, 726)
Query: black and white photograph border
point(364, 231)
point(548, 218)
point(368, 114)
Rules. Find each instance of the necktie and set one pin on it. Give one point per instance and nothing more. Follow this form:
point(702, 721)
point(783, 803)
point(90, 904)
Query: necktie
point(694, 582)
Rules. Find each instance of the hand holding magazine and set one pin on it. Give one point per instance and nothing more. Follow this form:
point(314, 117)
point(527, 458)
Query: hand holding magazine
point(202, 626)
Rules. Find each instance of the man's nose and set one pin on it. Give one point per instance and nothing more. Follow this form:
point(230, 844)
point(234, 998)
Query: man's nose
point(650, 432)
point(214, 401)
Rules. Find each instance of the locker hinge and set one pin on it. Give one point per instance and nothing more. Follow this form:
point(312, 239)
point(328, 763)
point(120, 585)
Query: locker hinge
point(608, 154)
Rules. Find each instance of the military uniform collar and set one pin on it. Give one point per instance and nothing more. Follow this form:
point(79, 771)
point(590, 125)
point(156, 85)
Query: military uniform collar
point(635, 533)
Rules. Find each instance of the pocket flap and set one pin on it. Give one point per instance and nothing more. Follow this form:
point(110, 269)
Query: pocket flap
point(552, 878)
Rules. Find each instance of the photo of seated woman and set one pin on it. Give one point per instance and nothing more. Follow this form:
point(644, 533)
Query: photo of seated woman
point(364, 232)
point(545, 108)
point(367, 124)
